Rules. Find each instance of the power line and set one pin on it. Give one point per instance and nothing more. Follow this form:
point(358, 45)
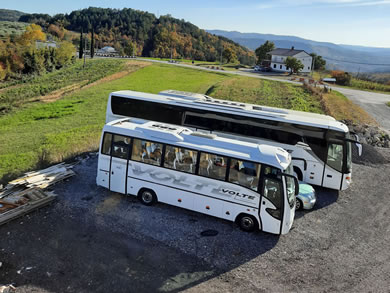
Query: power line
point(378, 64)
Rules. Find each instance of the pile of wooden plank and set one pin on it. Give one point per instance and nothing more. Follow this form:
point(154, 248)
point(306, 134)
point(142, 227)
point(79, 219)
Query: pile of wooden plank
point(26, 194)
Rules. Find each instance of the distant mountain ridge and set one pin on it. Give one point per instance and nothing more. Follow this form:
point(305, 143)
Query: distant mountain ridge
point(344, 57)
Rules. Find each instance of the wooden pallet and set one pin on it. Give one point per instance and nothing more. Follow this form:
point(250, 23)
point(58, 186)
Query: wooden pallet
point(30, 200)
point(26, 194)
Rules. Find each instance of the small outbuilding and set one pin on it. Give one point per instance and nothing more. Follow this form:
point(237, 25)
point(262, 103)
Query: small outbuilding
point(107, 50)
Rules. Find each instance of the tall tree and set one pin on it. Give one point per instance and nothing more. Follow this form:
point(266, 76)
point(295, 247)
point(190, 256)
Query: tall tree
point(229, 55)
point(263, 50)
point(294, 64)
point(319, 63)
point(81, 48)
point(93, 43)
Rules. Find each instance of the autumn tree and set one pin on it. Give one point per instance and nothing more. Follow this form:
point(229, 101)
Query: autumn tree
point(33, 33)
point(262, 51)
point(56, 31)
point(64, 54)
point(294, 64)
point(229, 55)
point(342, 77)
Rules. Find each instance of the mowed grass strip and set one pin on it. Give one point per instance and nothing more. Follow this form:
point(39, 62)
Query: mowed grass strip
point(268, 93)
point(43, 133)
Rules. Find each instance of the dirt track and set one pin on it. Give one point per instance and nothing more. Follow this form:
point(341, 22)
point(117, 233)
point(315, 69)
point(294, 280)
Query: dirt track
point(92, 240)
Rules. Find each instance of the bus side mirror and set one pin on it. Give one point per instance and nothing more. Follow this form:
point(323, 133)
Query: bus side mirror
point(358, 145)
point(296, 185)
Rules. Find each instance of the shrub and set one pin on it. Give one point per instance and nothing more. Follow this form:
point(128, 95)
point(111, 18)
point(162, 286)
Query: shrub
point(342, 78)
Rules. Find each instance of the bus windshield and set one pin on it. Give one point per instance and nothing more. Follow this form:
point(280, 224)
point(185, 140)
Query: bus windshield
point(290, 182)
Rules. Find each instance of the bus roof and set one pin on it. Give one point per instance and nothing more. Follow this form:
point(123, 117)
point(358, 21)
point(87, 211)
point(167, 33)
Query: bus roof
point(184, 137)
point(263, 112)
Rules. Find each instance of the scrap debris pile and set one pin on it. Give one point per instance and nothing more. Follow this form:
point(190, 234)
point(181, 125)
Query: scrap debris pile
point(27, 193)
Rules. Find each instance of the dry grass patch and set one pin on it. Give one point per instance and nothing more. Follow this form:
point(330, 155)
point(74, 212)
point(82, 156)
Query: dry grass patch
point(55, 95)
point(342, 108)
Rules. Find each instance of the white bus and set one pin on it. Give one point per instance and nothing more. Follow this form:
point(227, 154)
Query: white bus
point(320, 146)
point(248, 183)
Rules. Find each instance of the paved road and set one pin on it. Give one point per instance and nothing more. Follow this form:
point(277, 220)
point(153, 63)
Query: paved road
point(373, 103)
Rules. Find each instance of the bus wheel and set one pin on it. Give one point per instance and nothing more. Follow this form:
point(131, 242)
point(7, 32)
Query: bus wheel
point(247, 223)
point(147, 196)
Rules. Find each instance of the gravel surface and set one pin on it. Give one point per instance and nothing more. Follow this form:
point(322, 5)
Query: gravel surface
point(93, 240)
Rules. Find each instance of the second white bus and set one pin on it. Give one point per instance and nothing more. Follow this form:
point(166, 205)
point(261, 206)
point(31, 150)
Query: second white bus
point(320, 146)
point(248, 183)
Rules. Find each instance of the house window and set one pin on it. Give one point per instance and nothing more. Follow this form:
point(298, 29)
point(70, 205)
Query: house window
point(281, 66)
point(308, 67)
point(274, 65)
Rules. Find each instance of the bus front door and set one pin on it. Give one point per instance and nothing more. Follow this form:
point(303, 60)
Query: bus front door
point(271, 206)
point(118, 168)
point(333, 170)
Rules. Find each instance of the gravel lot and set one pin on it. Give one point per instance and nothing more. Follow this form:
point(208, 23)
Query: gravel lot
point(92, 240)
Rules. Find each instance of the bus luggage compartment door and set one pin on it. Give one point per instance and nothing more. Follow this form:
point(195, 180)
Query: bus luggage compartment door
point(118, 175)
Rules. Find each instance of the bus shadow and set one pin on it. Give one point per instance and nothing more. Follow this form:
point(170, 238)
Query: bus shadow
point(325, 197)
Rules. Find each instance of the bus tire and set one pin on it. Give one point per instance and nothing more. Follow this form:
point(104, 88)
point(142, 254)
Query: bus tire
point(147, 196)
point(298, 173)
point(247, 223)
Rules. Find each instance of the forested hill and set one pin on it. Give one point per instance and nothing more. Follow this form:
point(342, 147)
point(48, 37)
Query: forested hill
point(151, 36)
point(10, 15)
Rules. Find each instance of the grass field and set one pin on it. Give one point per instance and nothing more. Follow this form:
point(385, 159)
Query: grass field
point(50, 130)
point(369, 85)
point(266, 92)
point(41, 133)
point(8, 28)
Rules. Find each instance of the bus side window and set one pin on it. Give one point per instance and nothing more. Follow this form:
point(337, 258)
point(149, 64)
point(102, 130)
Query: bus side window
point(180, 159)
point(244, 173)
point(106, 149)
point(213, 166)
point(121, 146)
point(147, 152)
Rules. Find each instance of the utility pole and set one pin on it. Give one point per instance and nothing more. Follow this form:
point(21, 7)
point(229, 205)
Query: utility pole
point(220, 61)
point(312, 66)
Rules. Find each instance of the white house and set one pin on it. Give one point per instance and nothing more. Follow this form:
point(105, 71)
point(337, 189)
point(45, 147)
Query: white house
point(279, 56)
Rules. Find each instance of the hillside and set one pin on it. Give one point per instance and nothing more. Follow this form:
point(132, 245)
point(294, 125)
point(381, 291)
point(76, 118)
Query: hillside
point(129, 29)
point(10, 15)
point(344, 57)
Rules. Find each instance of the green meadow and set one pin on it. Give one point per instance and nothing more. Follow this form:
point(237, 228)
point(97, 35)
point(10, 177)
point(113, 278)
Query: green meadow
point(40, 131)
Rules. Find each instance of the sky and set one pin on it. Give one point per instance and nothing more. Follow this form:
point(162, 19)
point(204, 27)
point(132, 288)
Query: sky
point(352, 22)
